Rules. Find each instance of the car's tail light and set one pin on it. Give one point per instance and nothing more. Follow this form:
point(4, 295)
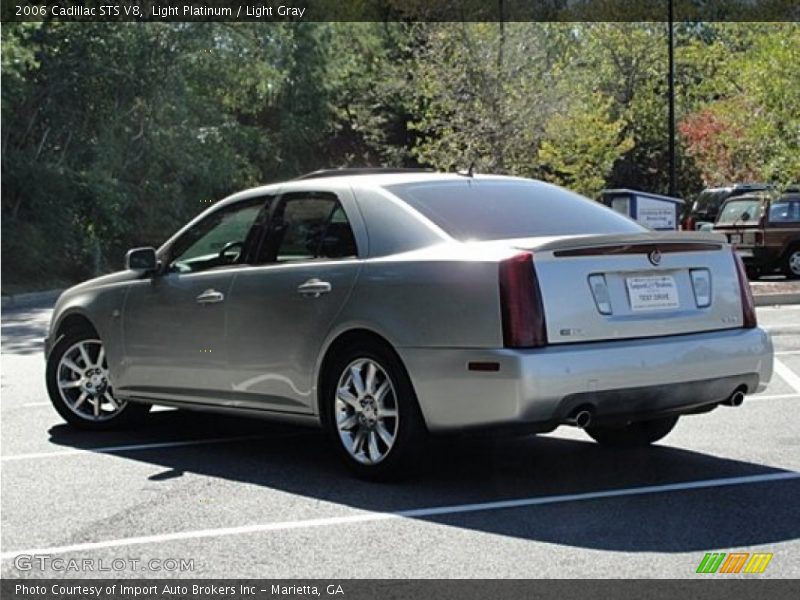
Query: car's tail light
point(521, 303)
point(688, 224)
point(748, 305)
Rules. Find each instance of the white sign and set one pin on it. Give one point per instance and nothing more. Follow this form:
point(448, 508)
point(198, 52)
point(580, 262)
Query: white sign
point(655, 214)
point(652, 293)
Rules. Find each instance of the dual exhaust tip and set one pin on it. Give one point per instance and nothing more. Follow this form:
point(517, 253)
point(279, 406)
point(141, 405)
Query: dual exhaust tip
point(582, 418)
point(736, 399)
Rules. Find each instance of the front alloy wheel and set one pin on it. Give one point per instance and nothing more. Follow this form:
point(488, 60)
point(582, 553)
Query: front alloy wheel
point(83, 382)
point(79, 385)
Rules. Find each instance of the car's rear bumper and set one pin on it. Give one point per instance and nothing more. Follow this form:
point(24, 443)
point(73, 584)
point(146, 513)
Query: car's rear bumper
point(627, 379)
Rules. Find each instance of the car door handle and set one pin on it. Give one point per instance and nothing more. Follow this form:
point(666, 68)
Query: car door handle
point(314, 288)
point(210, 297)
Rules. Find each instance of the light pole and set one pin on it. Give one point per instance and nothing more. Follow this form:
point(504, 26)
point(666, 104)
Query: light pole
point(671, 95)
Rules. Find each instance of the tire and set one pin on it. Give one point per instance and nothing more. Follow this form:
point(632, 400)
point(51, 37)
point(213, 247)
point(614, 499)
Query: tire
point(82, 393)
point(791, 263)
point(378, 431)
point(753, 272)
point(633, 435)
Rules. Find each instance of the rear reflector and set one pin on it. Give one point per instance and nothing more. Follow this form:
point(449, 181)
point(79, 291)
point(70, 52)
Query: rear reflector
point(748, 305)
point(602, 299)
point(492, 367)
point(521, 303)
point(701, 285)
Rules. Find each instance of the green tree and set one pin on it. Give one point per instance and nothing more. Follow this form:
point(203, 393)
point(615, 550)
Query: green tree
point(483, 94)
point(581, 146)
point(747, 124)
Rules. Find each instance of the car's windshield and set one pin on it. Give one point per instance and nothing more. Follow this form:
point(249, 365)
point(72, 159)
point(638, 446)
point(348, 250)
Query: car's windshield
point(476, 209)
point(709, 201)
point(735, 212)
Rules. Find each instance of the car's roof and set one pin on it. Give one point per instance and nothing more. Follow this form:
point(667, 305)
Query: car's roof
point(368, 180)
point(738, 186)
point(749, 196)
point(394, 178)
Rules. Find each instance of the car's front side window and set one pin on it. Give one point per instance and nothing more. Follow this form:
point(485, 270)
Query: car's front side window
point(218, 240)
point(308, 226)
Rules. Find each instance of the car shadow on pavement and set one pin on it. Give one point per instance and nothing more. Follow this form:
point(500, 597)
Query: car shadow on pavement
point(469, 469)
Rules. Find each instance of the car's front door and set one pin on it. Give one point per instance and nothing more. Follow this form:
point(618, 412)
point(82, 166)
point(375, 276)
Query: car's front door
point(174, 323)
point(282, 308)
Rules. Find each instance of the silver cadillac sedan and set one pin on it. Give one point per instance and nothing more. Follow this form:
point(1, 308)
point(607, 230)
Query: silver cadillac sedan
point(385, 306)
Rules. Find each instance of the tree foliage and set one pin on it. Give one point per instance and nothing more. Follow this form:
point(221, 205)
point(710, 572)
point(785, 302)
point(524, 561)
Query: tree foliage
point(115, 134)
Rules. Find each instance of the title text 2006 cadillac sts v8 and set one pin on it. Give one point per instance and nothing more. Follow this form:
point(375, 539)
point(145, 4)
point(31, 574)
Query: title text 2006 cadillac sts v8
point(388, 306)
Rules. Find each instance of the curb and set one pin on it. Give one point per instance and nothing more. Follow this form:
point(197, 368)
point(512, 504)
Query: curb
point(776, 299)
point(31, 300)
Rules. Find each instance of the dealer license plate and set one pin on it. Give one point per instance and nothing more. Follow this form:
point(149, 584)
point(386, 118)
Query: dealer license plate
point(652, 293)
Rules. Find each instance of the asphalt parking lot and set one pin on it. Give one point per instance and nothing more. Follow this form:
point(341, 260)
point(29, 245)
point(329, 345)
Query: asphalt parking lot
point(253, 499)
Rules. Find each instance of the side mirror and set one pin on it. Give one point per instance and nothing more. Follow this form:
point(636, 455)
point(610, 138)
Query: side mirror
point(141, 259)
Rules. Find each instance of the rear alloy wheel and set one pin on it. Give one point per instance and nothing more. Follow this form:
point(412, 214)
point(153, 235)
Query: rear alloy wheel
point(80, 388)
point(792, 263)
point(372, 413)
point(633, 435)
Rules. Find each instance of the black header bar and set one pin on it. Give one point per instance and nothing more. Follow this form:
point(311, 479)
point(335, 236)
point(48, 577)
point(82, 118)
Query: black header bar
point(399, 10)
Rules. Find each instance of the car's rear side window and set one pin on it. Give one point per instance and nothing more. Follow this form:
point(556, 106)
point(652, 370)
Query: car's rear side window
point(785, 211)
point(308, 226)
point(476, 209)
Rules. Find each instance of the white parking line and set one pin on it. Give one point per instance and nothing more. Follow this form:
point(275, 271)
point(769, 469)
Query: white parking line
point(787, 352)
point(787, 375)
point(136, 447)
point(366, 517)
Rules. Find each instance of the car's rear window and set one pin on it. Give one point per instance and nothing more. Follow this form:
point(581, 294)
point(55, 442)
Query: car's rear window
point(476, 209)
point(737, 212)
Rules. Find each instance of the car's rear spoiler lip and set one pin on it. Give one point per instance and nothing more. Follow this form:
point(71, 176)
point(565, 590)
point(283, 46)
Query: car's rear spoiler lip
point(670, 241)
point(641, 248)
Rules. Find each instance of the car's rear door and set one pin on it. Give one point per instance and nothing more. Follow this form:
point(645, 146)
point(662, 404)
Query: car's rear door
point(282, 308)
point(782, 228)
point(174, 323)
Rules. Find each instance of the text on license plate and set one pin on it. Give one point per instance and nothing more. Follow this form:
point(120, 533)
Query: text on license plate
point(652, 293)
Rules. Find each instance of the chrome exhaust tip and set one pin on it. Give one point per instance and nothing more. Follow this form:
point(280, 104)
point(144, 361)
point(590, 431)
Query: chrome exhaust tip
point(581, 419)
point(736, 399)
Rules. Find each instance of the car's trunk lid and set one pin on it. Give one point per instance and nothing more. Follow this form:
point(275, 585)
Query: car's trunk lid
point(609, 287)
